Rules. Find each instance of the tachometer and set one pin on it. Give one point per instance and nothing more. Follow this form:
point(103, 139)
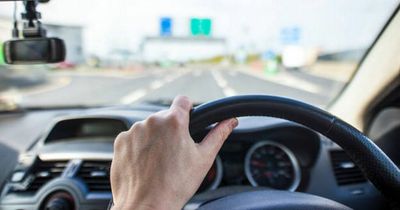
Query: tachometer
point(213, 177)
point(270, 164)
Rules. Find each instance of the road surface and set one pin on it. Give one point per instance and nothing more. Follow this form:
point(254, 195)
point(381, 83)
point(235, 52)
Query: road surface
point(200, 84)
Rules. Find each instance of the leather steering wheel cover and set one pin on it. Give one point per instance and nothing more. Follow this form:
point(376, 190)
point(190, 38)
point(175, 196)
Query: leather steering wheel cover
point(273, 200)
point(374, 163)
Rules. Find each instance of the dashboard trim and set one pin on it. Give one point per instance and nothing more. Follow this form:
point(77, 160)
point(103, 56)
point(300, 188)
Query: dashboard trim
point(42, 140)
point(76, 155)
point(218, 177)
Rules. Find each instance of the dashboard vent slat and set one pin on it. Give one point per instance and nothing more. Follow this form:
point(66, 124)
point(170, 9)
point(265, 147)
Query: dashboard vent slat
point(346, 172)
point(43, 172)
point(96, 175)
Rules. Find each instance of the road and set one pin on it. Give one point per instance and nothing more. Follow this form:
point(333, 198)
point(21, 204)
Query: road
point(200, 84)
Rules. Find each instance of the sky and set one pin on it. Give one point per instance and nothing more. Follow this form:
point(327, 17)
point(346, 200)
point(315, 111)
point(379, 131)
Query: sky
point(256, 25)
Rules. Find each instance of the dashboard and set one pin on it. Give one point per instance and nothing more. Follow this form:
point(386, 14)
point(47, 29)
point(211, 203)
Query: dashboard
point(69, 162)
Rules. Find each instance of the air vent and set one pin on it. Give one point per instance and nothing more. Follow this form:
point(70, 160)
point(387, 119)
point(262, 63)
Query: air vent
point(41, 173)
point(346, 172)
point(96, 175)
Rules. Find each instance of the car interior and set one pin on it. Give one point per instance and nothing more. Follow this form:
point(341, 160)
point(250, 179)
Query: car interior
point(286, 153)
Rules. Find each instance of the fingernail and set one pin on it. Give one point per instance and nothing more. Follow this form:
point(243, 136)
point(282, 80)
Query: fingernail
point(234, 123)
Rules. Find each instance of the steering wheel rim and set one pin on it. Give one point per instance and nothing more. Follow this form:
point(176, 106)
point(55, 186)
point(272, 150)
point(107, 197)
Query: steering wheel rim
point(372, 161)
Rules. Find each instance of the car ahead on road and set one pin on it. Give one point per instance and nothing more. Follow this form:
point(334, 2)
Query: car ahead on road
point(322, 137)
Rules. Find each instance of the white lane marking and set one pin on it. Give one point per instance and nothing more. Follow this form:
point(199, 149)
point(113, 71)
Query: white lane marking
point(287, 80)
point(134, 96)
point(138, 94)
point(220, 81)
point(156, 84)
point(223, 84)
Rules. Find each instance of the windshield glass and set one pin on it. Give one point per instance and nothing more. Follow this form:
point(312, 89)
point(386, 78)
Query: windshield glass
point(127, 52)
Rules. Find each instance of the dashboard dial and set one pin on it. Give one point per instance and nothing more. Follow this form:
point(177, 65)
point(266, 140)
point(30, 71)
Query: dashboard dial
point(213, 177)
point(271, 164)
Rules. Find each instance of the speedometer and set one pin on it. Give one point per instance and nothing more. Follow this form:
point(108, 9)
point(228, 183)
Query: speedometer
point(273, 165)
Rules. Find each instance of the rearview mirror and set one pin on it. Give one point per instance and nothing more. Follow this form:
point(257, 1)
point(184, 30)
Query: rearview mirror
point(34, 51)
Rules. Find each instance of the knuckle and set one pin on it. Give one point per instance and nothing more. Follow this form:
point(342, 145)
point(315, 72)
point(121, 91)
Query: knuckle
point(225, 131)
point(185, 100)
point(153, 120)
point(137, 126)
point(123, 135)
point(121, 139)
point(220, 134)
point(183, 97)
point(174, 117)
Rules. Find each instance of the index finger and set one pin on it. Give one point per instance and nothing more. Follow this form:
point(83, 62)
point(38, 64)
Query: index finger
point(182, 103)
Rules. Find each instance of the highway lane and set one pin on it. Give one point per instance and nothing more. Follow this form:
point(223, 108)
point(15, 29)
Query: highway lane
point(90, 90)
point(248, 84)
point(205, 85)
point(199, 84)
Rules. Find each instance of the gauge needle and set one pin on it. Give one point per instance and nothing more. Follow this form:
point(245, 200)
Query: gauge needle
point(258, 163)
point(268, 174)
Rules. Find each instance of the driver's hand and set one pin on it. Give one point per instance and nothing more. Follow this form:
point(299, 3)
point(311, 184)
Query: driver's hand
point(157, 165)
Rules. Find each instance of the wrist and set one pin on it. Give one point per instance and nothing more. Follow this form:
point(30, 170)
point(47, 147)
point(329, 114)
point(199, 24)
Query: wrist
point(133, 206)
point(146, 206)
point(154, 202)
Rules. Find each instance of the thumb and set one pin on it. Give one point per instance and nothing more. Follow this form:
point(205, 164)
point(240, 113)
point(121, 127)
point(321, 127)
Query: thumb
point(214, 140)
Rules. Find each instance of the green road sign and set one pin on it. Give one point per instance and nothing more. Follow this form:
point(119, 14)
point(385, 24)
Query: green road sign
point(1, 53)
point(200, 26)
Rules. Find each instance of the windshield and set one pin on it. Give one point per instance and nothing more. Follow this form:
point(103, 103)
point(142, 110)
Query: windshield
point(128, 52)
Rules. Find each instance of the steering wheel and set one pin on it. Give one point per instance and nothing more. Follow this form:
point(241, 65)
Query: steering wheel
point(372, 161)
